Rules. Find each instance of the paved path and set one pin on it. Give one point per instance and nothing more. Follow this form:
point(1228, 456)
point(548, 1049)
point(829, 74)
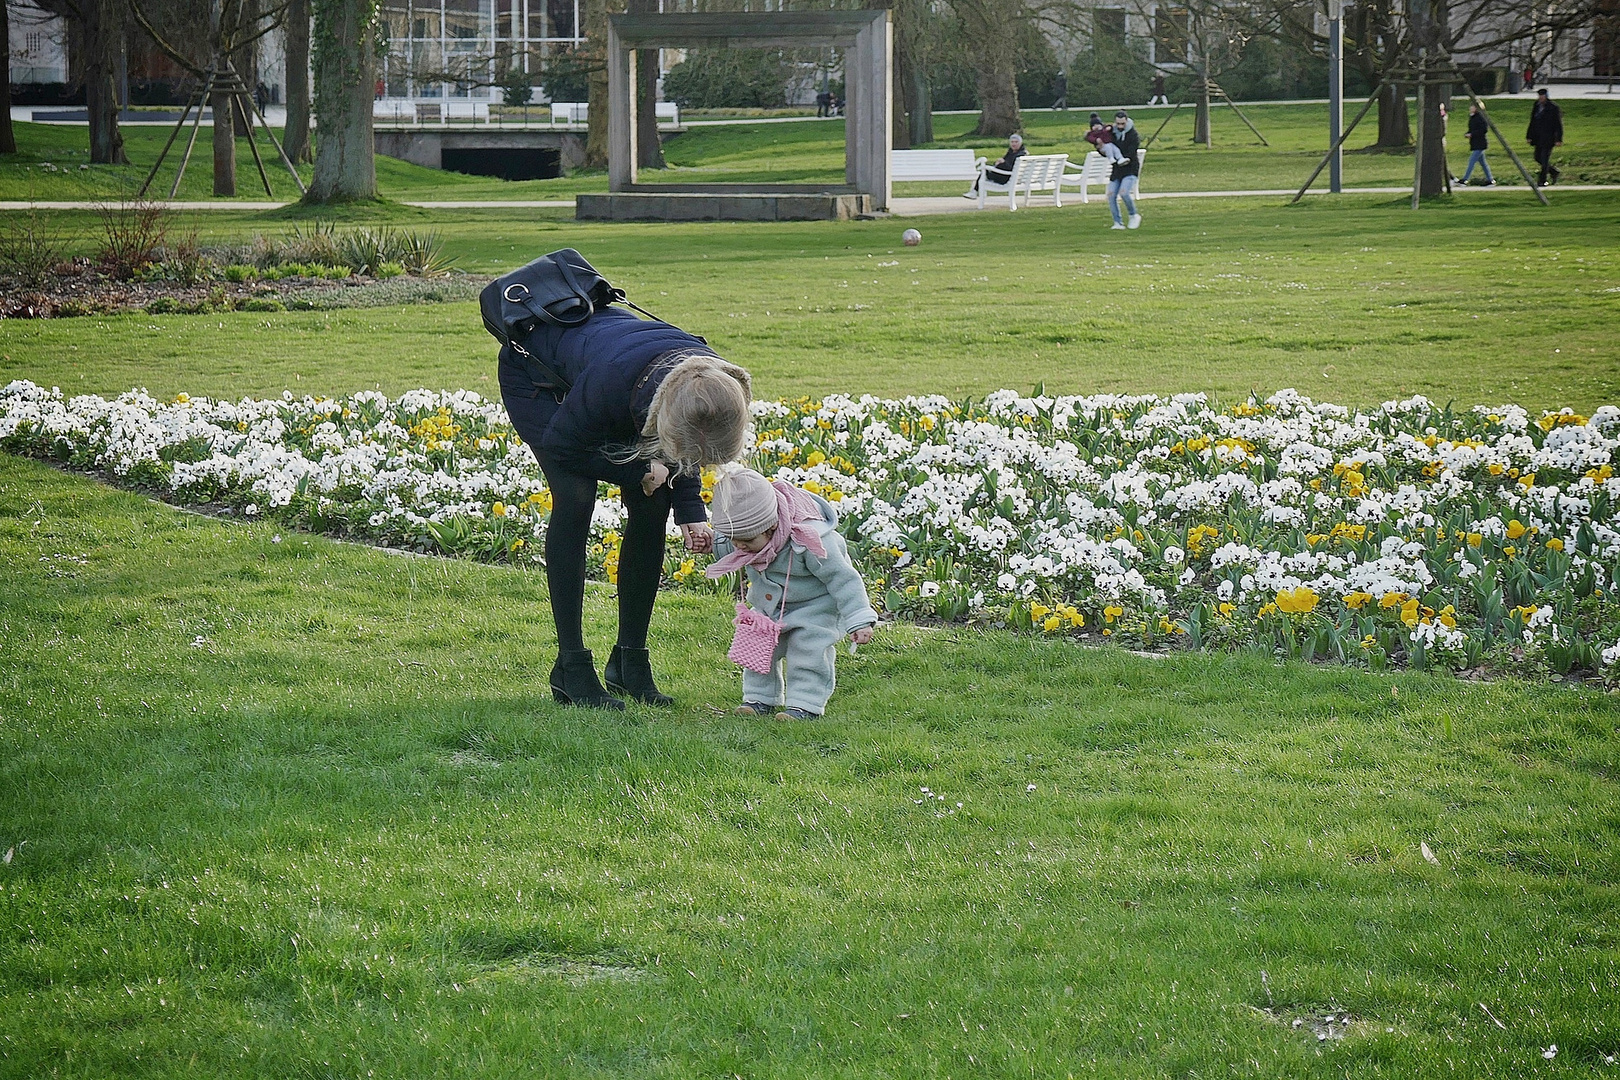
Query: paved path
point(898, 207)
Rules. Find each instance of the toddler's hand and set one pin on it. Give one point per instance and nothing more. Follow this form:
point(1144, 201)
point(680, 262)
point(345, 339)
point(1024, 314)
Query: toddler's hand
point(699, 538)
point(861, 636)
point(657, 476)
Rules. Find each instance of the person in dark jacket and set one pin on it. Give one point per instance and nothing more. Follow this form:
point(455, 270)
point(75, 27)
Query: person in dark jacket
point(1477, 132)
point(649, 406)
point(1546, 131)
point(1001, 172)
point(1123, 176)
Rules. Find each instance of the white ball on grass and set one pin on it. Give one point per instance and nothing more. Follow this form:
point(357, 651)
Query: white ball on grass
point(911, 237)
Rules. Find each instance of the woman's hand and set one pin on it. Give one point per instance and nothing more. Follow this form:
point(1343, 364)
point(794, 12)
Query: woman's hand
point(699, 538)
point(862, 635)
point(657, 476)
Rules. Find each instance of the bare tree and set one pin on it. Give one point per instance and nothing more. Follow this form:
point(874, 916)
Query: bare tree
point(990, 31)
point(230, 28)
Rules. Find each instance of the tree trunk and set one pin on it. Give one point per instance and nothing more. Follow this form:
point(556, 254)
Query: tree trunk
point(921, 109)
point(596, 118)
point(345, 75)
point(8, 137)
point(224, 144)
point(103, 37)
point(998, 102)
point(296, 136)
point(1433, 174)
point(1201, 134)
point(1394, 129)
point(900, 93)
point(991, 28)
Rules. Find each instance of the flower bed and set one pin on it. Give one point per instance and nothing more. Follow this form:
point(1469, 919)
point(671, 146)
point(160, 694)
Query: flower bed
point(1405, 534)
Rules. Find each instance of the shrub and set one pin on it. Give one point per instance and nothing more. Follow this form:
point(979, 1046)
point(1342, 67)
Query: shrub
point(422, 254)
point(262, 303)
point(73, 309)
point(365, 249)
point(132, 236)
point(730, 79)
point(29, 248)
point(390, 270)
point(240, 274)
point(163, 305)
point(186, 262)
point(315, 244)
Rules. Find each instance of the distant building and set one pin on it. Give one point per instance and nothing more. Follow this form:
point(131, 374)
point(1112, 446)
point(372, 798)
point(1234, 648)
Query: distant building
point(38, 45)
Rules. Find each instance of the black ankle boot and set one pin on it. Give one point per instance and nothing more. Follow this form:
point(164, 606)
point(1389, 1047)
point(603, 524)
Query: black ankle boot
point(573, 682)
point(629, 672)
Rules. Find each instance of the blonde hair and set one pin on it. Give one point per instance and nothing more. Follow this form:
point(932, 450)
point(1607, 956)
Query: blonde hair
point(698, 415)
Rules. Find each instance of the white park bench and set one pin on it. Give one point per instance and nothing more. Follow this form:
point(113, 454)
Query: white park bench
point(1031, 173)
point(909, 165)
point(466, 111)
point(1096, 169)
point(577, 112)
point(568, 112)
point(393, 110)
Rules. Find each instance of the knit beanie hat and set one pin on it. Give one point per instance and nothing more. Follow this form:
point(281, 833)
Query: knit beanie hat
point(743, 505)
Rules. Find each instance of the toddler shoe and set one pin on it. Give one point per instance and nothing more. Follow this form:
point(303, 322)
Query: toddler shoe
point(1116, 225)
point(793, 712)
point(753, 708)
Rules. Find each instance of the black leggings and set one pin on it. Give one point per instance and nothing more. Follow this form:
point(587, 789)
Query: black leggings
point(573, 501)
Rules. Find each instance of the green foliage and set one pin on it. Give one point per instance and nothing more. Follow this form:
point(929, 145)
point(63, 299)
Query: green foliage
point(729, 78)
point(516, 86)
point(566, 77)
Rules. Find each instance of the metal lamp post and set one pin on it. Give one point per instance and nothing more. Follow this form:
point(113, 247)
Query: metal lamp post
point(1335, 13)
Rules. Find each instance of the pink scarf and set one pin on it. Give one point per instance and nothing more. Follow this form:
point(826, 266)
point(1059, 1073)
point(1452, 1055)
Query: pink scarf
point(795, 509)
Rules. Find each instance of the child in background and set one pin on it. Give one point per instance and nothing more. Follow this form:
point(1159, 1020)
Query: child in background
point(786, 542)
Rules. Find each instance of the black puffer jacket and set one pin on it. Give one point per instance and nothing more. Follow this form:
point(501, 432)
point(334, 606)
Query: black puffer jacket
point(1477, 130)
point(606, 360)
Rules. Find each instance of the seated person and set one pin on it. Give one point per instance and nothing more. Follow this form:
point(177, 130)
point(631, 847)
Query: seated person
point(1001, 172)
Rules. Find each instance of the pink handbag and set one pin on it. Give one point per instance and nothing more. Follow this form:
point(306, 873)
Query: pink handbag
point(754, 644)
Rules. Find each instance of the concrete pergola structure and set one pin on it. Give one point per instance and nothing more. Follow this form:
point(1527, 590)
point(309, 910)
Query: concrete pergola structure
point(868, 40)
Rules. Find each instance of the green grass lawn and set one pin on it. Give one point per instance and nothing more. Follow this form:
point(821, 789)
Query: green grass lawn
point(278, 806)
point(1479, 300)
point(813, 152)
point(302, 809)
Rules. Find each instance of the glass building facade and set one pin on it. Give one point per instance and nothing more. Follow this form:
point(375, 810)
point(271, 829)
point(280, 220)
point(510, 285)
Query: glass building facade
point(459, 48)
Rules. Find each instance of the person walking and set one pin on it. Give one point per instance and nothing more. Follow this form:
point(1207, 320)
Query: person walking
point(1159, 97)
point(648, 406)
point(1546, 131)
point(823, 103)
point(1001, 172)
point(1061, 85)
point(1477, 131)
point(1123, 176)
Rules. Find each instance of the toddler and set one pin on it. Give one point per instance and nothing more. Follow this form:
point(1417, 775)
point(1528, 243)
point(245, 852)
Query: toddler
point(1101, 137)
point(786, 542)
